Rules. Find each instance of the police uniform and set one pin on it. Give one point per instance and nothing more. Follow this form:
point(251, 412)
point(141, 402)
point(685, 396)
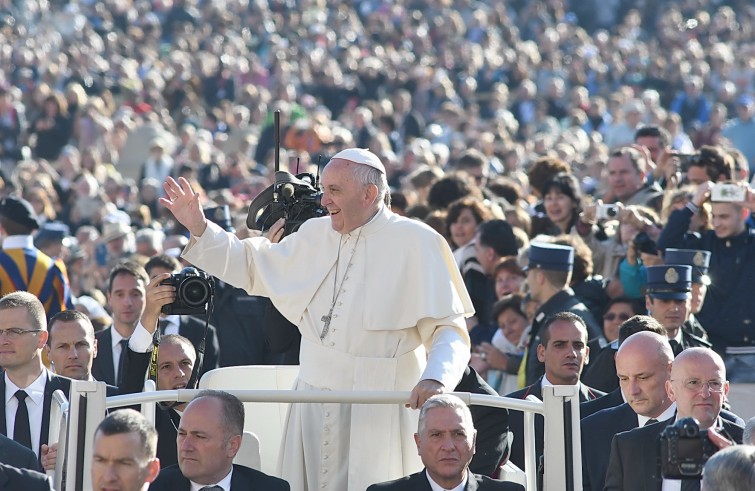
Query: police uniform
point(555, 257)
point(699, 260)
point(674, 282)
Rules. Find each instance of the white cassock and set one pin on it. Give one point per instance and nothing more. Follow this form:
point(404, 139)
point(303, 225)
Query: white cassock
point(398, 317)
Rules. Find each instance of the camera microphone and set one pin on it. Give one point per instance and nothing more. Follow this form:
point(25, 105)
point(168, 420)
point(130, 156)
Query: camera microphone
point(287, 190)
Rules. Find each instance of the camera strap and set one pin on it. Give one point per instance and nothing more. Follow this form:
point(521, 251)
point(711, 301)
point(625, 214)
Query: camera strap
point(194, 378)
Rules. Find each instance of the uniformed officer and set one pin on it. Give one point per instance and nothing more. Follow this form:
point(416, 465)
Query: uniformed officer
point(699, 260)
point(668, 300)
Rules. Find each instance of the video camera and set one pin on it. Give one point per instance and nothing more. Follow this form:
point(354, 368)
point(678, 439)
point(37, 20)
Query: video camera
point(194, 290)
point(295, 198)
point(685, 449)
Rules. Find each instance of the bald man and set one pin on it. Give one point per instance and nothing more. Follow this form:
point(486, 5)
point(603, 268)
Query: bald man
point(698, 386)
point(643, 365)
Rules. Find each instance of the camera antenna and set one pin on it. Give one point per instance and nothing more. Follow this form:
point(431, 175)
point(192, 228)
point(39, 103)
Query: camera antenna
point(297, 165)
point(317, 177)
point(277, 142)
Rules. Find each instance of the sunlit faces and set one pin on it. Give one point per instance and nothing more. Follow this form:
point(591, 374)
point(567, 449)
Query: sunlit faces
point(72, 349)
point(205, 450)
point(559, 207)
point(175, 361)
point(616, 315)
point(643, 371)
point(349, 202)
point(624, 180)
point(671, 313)
point(512, 325)
point(507, 283)
point(728, 220)
point(446, 445)
point(565, 354)
point(692, 374)
point(463, 230)
point(126, 299)
point(118, 463)
point(18, 350)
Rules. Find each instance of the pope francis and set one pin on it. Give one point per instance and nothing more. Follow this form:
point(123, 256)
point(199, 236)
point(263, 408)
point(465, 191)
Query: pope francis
point(380, 305)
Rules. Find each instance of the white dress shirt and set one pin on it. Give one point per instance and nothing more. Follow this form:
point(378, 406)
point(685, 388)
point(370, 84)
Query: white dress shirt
point(669, 412)
point(224, 483)
point(437, 487)
point(116, 350)
point(34, 403)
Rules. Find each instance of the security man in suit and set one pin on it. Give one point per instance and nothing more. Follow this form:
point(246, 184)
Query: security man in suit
point(26, 385)
point(668, 300)
point(445, 442)
point(563, 350)
point(12, 478)
point(698, 385)
point(209, 436)
point(548, 276)
point(643, 365)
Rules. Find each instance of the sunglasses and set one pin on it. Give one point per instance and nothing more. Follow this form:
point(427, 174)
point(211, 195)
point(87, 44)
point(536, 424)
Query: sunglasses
point(612, 317)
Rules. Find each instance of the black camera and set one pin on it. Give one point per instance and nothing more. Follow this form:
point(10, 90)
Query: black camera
point(194, 290)
point(643, 243)
point(295, 198)
point(685, 449)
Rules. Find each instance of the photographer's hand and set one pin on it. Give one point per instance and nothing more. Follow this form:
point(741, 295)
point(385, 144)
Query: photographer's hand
point(275, 233)
point(157, 295)
point(718, 439)
point(183, 202)
point(702, 193)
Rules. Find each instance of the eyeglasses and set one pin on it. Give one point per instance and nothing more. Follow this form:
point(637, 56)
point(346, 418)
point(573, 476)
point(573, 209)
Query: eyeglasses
point(695, 385)
point(15, 333)
point(612, 317)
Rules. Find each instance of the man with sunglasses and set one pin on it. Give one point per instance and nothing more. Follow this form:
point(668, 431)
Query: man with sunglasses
point(698, 386)
point(27, 386)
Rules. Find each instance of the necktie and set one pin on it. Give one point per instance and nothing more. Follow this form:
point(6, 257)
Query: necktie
point(690, 485)
point(676, 347)
point(121, 360)
point(21, 429)
point(650, 422)
point(211, 488)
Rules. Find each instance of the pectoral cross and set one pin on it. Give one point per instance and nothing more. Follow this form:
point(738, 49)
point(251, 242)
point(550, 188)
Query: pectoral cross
point(326, 319)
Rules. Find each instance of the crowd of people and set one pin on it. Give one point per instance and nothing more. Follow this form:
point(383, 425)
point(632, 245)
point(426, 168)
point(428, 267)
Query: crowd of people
point(566, 165)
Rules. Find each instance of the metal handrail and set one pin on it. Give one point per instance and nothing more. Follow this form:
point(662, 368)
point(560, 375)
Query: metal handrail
point(98, 403)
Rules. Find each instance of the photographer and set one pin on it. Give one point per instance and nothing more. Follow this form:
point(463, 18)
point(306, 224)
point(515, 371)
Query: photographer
point(355, 284)
point(728, 311)
point(698, 385)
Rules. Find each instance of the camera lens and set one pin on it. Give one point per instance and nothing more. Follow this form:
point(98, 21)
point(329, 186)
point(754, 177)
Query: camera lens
point(195, 292)
point(612, 212)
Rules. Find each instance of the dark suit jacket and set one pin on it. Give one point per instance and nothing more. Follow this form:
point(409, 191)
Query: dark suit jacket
point(598, 431)
point(17, 455)
point(491, 423)
point(54, 382)
point(102, 366)
point(612, 399)
point(637, 452)
point(243, 479)
point(419, 482)
point(516, 420)
point(166, 420)
point(12, 479)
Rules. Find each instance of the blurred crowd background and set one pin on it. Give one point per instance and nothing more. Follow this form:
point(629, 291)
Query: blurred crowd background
point(101, 100)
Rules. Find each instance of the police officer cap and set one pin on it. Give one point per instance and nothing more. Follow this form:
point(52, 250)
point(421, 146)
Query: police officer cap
point(551, 257)
point(52, 232)
point(20, 211)
point(361, 156)
point(698, 259)
point(221, 215)
point(669, 282)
